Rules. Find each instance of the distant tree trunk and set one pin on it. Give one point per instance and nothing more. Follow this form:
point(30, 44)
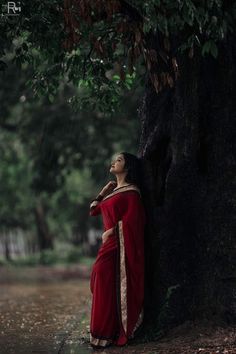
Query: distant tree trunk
point(44, 236)
point(187, 149)
point(7, 248)
point(80, 230)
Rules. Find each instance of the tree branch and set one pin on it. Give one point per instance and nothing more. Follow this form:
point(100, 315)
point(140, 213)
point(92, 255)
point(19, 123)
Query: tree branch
point(9, 127)
point(131, 11)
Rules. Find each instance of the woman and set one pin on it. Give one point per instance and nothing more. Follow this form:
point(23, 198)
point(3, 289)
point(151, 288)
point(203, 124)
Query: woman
point(117, 278)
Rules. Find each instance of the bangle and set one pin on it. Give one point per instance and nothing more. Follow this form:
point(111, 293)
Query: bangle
point(98, 198)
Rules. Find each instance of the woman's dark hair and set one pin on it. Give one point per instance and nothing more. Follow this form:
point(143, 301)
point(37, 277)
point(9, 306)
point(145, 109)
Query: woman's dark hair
point(133, 166)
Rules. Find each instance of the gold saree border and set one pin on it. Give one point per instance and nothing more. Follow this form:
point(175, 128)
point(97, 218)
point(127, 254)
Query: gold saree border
point(138, 323)
point(123, 278)
point(124, 189)
point(123, 286)
point(99, 342)
point(93, 204)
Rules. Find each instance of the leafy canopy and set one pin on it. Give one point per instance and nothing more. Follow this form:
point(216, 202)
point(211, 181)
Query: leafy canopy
point(103, 46)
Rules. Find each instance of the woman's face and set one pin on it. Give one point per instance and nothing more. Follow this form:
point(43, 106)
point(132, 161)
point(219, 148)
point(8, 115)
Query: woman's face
point(118, 164)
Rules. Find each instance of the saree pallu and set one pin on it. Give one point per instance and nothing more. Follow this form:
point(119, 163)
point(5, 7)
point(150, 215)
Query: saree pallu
point(117, 277)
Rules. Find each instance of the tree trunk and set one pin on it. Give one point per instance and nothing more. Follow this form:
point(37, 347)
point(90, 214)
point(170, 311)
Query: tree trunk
point(187, 150)
point(80, 230)
point(44, 236)
point(6, 247)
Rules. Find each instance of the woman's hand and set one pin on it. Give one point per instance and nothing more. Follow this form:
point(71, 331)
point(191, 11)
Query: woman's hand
point(106, 234)
point(108, 188)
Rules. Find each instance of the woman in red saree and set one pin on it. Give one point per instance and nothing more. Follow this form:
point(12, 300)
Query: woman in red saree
point(117, 277)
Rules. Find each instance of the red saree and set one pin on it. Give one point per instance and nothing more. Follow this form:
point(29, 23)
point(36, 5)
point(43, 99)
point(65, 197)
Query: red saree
point(117, 277)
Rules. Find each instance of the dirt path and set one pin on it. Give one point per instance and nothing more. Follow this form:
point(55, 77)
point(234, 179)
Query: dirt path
point(38, 317)
point(46, 310)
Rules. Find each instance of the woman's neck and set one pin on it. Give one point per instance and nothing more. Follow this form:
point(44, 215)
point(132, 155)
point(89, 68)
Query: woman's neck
point(120, 179)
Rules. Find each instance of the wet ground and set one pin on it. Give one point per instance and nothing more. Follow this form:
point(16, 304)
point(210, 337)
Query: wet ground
point(43, 310)
point(46, 310)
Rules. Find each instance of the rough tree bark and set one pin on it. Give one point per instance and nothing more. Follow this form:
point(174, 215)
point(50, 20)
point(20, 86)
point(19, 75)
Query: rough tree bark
point(187, 148)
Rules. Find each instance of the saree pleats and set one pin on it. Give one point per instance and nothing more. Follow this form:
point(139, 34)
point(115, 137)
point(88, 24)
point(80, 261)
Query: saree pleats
point(104, 324)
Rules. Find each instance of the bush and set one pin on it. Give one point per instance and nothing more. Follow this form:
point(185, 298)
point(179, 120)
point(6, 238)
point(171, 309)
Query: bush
point(74, 255)
point(48, 257)
point(2, 262)
point(31, 260)
point(61, 255)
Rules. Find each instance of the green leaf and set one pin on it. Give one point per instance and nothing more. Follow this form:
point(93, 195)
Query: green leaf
point(214, 50)
point(51, 98)
point(210, 47)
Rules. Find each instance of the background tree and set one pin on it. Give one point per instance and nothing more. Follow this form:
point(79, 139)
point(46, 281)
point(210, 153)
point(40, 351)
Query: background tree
point(60, 160)
point(188, 48)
